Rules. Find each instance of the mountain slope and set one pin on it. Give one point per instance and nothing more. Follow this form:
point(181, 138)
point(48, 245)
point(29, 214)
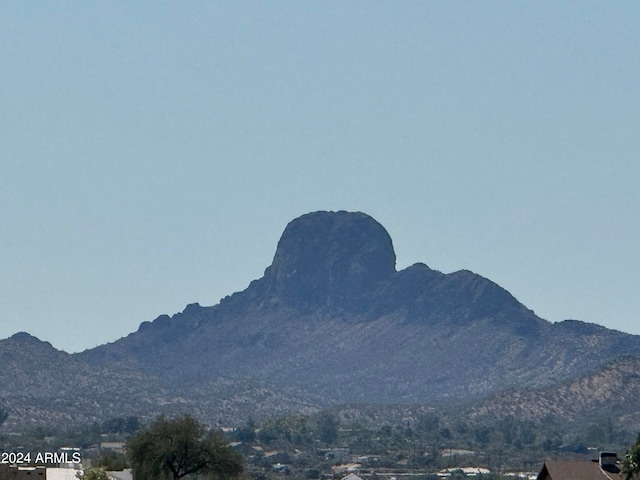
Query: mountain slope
point(330, 322)
point(332, 316)
point(611, 392)
point(42, 386)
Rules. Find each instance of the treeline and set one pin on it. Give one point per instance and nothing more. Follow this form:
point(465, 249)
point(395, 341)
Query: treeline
point(428, 441)
point(434, 432)
point(308, 445)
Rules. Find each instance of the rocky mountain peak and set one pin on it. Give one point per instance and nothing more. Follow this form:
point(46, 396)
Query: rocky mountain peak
point(331, 322)
point(330, 258)
point(26, 339)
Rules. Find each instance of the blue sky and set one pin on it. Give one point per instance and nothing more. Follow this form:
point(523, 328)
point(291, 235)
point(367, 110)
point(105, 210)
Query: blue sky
point(154, 152)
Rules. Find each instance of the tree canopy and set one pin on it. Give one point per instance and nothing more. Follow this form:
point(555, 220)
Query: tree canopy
point(93, 474)
point(181, 447)
point(631, 463)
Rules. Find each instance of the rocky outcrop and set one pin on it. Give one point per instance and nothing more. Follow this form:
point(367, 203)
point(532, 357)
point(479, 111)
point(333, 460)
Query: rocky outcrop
point(334, 260)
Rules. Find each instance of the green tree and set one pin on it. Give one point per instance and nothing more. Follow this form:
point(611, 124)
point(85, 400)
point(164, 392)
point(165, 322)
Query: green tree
point(247, 433)
point(178, 448)
point(121, 425)
point(93, 474)
point(328, 427)
point(110, 460)
point(428, 425)
point(631, 462)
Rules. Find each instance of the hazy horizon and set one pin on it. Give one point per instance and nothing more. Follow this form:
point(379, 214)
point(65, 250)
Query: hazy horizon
point(153, 154)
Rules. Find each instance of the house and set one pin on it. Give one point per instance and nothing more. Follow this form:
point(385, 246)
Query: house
point(606, 467)
point(281, 467)
point(337, 454)
point(117, 447)
point(57, 473)
point(466, 471)
point(14, 472)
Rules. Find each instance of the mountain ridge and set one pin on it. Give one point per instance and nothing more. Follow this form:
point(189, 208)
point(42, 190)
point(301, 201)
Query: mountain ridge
point(332, 321)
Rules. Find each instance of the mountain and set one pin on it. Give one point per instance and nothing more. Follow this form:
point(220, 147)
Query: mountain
point(614, 389)
point(41, 385)
point(333, 322)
